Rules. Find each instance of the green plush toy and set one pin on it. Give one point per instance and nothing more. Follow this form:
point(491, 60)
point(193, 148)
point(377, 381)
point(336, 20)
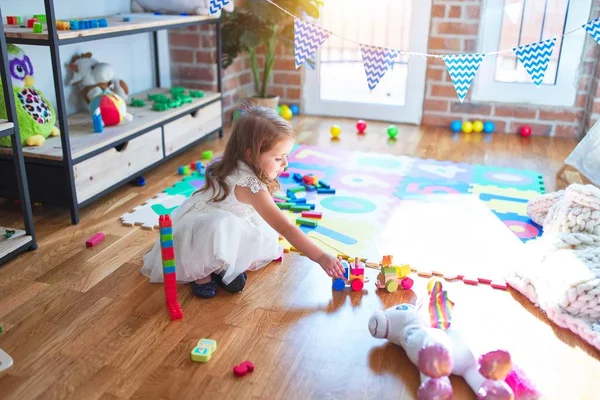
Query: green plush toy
point(35, 114)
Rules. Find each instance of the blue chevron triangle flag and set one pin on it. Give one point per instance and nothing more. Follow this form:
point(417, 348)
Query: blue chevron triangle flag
point(307, 39)
point(535, 57)
point(216, 5)
point(462, 69)
point(593, 28)
point(377, 61)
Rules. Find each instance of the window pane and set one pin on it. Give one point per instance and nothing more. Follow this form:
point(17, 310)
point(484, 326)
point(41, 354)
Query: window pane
point(524, 22)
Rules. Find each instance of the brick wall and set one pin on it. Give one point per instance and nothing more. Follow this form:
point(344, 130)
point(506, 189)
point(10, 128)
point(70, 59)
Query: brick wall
point(454, 28)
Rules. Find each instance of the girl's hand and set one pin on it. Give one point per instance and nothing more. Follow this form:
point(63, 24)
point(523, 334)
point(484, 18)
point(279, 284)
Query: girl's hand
point(331, 265)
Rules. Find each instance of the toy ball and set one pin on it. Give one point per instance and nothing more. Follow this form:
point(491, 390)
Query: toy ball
point(335, 131)
point(456, 126)
point(287, 113)
point(392, 131)
point(361, 126)
point(279, 109)
point(295, 109)
point(488, 127)
point(112, 108)
point(477, 126)
point(467, 127)
point(525, 131)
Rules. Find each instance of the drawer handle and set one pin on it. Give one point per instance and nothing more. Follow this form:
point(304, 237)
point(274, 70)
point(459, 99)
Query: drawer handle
point(194, 114)
point(121, 147)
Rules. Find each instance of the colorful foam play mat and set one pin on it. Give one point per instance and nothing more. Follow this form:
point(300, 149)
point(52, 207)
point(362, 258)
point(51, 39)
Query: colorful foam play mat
point(370, 188)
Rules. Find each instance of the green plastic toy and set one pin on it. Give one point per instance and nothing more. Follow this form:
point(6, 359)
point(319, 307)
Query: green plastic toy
point(197, 93)
point(137, 103)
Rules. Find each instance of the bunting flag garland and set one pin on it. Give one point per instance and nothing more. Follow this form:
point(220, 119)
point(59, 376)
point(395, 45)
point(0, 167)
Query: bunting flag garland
point(462, 69)
point(535, 57)
point(593, 28)
point(307, 39)
point(216, 5)
point(377, 60)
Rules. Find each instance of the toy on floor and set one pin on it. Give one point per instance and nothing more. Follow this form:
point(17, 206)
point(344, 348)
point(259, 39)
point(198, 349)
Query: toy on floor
point(204, 350)
point(196, 7)
point(168, 259)
point(438, 350)
point(6, 361)
point(35, 115)
point(393, 276)
point(286, 112)
point(355, 277)
point(392, 131)
point(335, 131)
point(525, 131)
point(93, 78)
point(94, 240)
point(361, 126)
point(243, 369)
point(295, 109)
point(475, 126)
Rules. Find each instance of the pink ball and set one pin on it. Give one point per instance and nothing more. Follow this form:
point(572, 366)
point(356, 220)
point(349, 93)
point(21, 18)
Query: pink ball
point(525, 131)
point(361, 126)
point(435, 361)
point(438, 389)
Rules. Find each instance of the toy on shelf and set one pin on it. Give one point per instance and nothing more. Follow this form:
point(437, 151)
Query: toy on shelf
point(168, 260)
point(392, 131)
point(393, 276)
point(111, 107)
point(37, 27)
point(361, 126)
point(439, 350)
point(355, 277)
point(243, 369)
point(190, 7)
point(93, 77)
point(204, 350)
point(35, 114)
point(13, 20)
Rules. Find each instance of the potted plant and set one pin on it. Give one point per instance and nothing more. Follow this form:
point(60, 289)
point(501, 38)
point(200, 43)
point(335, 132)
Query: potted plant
point(255, 24)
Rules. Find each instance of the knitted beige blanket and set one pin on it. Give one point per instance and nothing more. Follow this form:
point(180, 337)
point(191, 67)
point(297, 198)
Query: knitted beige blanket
point(563, 275)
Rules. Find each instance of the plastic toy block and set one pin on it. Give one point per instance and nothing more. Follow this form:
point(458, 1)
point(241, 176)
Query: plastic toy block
point(284, 174)
point(309, 188)
point(37, 27)
point(197, 93)
point(137, 103)
point(323, 184)
point(306, 222)
point(296, 208)
point(387, 260)
point(13, 20)
point(168, 254)
point(167, 230)
point(126, 19)
point(166, 243)
point(243, 369)
point(284, 205)
point(325, 191)
point(41, 18)
point(297, 177)
point(94, 240)
point(168, 263)
point(204, 350)
point(184, 170)
point(63, 25)
point(74, 25)
point(139, 181)
point(174, 310)
point(169, 270)
point(207, 155)
point(298, 201)
point(166, 236)
point(281, 196)
point(199, 166)
point(97, 121)
point(103, 23)
point(160, 107)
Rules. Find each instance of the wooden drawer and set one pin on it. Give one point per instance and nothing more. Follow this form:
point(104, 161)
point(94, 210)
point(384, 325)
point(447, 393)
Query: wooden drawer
point(95, 174)
point(192, 127)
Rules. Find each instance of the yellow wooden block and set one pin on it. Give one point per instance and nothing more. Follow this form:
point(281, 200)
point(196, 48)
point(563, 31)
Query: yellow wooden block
point(361, 277)
point(402, 270)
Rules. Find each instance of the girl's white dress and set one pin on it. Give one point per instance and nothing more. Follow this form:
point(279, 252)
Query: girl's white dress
point(209, 236)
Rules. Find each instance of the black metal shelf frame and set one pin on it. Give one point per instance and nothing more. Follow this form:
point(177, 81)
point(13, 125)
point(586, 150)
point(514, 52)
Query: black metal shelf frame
point(54, 43)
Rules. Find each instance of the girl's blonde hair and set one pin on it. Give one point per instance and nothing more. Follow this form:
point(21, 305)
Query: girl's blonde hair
point(257, 130)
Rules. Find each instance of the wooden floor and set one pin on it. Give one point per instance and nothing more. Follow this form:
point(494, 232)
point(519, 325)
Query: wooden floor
point(84, 323)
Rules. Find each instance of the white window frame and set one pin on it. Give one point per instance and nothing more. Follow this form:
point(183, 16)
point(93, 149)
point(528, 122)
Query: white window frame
point(563, 92)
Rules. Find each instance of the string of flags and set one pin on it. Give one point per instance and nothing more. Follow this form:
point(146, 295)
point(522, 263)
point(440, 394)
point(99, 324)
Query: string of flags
point(462, 68)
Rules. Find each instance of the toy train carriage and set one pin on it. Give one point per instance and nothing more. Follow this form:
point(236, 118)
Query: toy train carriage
point(393, 276)
point(355, 277)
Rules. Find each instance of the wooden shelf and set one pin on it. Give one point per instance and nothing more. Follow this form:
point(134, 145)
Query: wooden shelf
point(84, 140)
point(140, 22)
point(5, 128)
point(16, 241)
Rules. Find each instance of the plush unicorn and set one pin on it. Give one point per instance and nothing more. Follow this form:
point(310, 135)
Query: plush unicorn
point(439, 351)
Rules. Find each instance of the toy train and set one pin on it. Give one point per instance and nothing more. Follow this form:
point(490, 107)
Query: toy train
point(392, 276)
point(355, 277)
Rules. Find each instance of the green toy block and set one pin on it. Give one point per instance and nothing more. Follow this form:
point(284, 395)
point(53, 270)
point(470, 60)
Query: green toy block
point(160, 98)
point(306, 222)
point(177, 90)
point(284, 206)
point(207, 155)
point(281, 196)
point(41, 18)
point(166, 237)
point(197, 93)
point(297, 189)
point(157, 106)
point(137, 103)
point(37, 27)
point(300, 208)
point(168, 263)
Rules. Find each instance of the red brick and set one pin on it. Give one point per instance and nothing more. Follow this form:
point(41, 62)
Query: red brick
point(558, 115)
point(189, 40)
point(182, 55)
point(438, 11)
point(514, 112)
point(470, 46)
point(208, 41)
point(435, 74)
point(443, 91)
point(441, 120)
point(208, 57)
point(454, 12)
point(570, 131)
point(584, 83)
point(435, 105)
point(200, 73)
point(276, 90)
point(471, 108)
point(283, 63)
point(292, 93)
point(473, 12)
point(287, 78)
point(231, 83)
point(457, 28)
point(246, 78)
point(437, 43)
point(536, 129)
point(581, 100)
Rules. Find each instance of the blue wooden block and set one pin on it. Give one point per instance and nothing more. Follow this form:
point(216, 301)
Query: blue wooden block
point(94, 23)
point(298, 201)
point(325, 191)
point(126, 19)
point(103, 23)
point(324, 184)
point(297, 177)
point(74, 25)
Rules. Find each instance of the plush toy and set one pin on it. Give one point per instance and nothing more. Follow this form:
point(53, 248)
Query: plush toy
point(197, 7)
point(111, 108)
point(439, 351)
point(35, 114)
point(94, 77)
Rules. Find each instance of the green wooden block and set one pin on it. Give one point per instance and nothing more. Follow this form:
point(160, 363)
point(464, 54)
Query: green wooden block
point(166, 237)
point(307, 222)
point(169, 263)
point(297, 189)
point(281, 196)
point(284, 206)
point(300, 208)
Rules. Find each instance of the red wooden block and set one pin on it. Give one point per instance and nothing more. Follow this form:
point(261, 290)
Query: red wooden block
point(31, 21)
point(243, 368)
point(312, 214)
point(94, 240)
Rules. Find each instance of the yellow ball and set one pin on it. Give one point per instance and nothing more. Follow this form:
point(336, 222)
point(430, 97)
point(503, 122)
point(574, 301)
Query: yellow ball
point(286, 113)
point(467, 127)
point(335, 130)
point(477, 126)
